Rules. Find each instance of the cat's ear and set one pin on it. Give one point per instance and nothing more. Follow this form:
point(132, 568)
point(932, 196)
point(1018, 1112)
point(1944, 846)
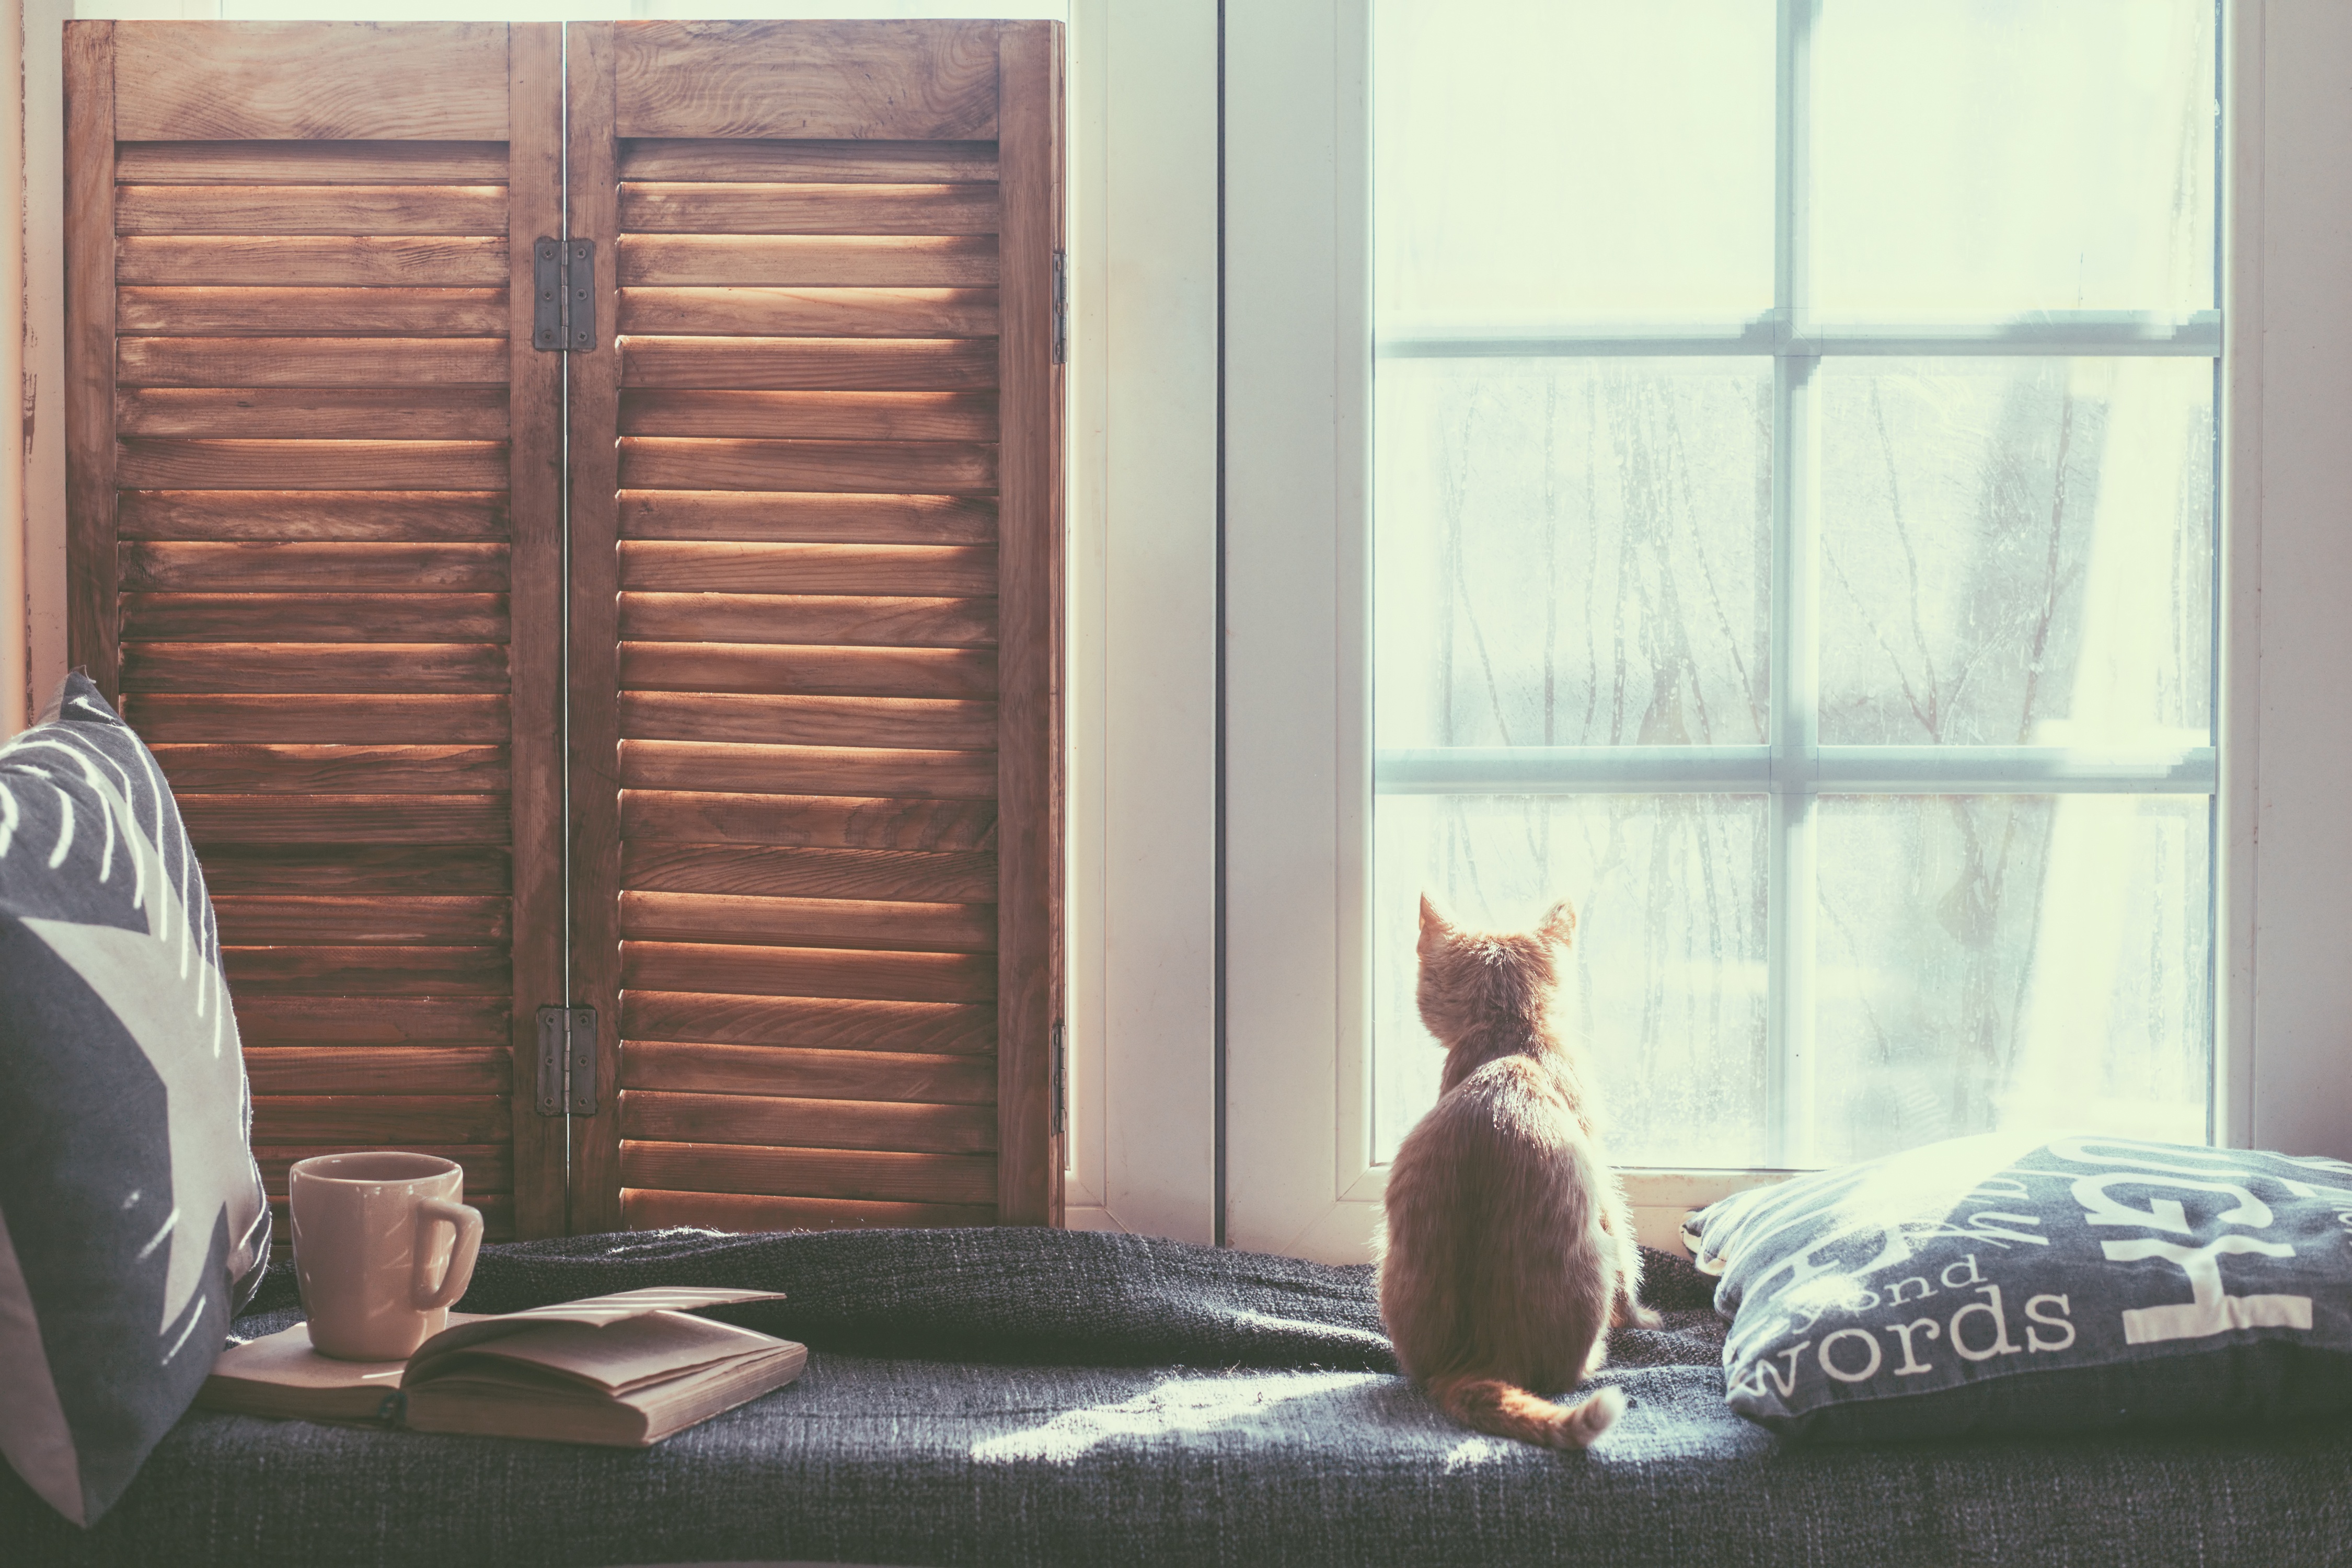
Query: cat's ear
point(1436, 929)
point(1559, 923)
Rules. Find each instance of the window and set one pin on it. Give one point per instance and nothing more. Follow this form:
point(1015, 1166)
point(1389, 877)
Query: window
point(1793, 489)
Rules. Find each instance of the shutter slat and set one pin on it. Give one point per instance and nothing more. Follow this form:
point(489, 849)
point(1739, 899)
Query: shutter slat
point(647, 1209)
point(795, 261)
point(942, 467)
point(489, 1167)
point(836, 923)
point(274, 209)
point(810, 1173)
point(316, 618)
point(260, 566)
point(837, 972)
point(312, 162)
point(773, 1120)
point(786, 364)
point(345, 819)
point(888, 163)
point(368, 972)
point(320, 720)
point(810, 871)
point(313, 261)
point(845, 822)
point(814, 312)
point(807, 620)
point(810, 1023)
point(394, 1021)
point(833, 671)
point(314, 666)
point(802, 770)
point(335, 770)
point(261, 921)
point(381, 1070)
point(364, 1118)
point(705, 208)
point(905, 1076)
point(897, 722)
point(314, 361)
point(277, 312)
point(811, 415)
point(316, 516)
point(896, 569)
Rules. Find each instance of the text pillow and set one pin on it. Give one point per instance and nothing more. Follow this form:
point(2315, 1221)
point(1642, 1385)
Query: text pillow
point(2004, 1284)
point(133, 1224)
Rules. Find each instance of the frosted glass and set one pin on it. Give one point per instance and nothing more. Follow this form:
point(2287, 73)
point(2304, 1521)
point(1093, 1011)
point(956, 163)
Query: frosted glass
point(1556, 161)
point(1665, 985)
point(2010, 962)
point(1571, 552)
point(1994, 158)
point(2016, 551)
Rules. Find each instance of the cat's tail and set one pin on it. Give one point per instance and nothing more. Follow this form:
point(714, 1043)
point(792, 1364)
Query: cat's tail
point(1507, 1410)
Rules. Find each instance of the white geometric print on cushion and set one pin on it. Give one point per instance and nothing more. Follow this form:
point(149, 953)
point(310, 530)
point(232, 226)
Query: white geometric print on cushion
point(133, 1221)
point(2008, 1283)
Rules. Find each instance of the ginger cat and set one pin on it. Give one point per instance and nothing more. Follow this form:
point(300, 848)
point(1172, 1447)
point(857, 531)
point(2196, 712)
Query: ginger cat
point(1509, 1247)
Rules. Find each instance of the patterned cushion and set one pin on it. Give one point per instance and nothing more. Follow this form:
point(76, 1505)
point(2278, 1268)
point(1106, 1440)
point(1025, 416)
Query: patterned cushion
point(133, 1224)
point(2006, 1284)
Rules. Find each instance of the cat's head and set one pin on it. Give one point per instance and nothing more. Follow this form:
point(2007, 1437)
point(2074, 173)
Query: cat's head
point(1473, 978)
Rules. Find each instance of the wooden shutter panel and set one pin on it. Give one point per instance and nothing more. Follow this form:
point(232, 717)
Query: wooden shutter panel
point(314, 512)
point(816, 575)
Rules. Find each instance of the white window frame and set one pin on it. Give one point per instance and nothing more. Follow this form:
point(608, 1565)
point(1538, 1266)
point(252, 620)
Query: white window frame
point(1300, 1169)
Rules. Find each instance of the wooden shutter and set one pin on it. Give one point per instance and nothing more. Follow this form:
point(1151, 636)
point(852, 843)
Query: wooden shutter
point(314, 519)
point(816, 525)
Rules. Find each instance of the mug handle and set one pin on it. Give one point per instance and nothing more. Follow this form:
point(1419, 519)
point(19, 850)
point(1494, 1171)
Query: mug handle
point(467, 1223)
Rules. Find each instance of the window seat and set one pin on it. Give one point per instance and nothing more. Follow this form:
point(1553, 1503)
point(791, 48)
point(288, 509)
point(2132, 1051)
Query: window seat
point(1005, 1396)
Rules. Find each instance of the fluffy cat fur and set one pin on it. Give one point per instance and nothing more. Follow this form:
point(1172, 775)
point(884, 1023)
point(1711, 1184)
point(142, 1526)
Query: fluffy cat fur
point(1509, 1248)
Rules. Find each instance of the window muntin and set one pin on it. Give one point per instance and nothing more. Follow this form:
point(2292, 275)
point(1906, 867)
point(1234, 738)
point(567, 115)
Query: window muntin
point(1849, 660)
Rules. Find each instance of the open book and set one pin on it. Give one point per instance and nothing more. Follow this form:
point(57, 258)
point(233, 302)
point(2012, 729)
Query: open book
point(625, 1371)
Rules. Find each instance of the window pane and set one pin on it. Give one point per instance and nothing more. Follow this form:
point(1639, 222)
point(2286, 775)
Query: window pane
point(2016, 551)
point(1572, 552)
point(2010, 962)
point(1549, 161)
point(2004, 156)
point(1667, 988)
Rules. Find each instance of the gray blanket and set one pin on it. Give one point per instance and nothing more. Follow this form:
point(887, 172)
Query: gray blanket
point(1027, 1396)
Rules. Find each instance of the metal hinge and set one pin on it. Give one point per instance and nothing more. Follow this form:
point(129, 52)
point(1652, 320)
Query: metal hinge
point(1061, 307)
point(567, 1061)
point(564, 282)
point(1061, 1078)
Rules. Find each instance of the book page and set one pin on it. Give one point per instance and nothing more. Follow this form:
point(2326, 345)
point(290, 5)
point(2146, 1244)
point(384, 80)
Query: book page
point(617, 1357)
point(594, 1312)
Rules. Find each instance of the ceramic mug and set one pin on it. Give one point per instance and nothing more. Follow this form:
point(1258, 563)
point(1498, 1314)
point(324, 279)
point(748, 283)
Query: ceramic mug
point(382, 1247)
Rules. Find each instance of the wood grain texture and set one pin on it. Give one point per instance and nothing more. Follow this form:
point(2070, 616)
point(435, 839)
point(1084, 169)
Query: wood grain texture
point(89, 282)
point(317, 261)
point(810, 1023)
point(422, 81)
point(895, 570)
point(813, 312)
point(344, 819)
point(298, 566)
point(907, 1076)
point(800, 972)
point(771, 261)
point(380, 1069)
point(309, 209)
point(488, 1168)
point(370, 1121)
point(276, 919)
point(845, 822)
point(315, 618)
point(805, 519)
point(356, 516)
point(807, 872)
point(807, 1123)
point(830, 364)
point(806, 770)
point(811, 415)
point(786, 161)
point(370, 972)
point(324, 163)
point(845, 621)
point(667, 208)
point(314, 666)
point(536, 85)
point(315, 412)
point(334, 770)
point(377, 869)
point(477, 1021)
point(594, 592)
point(276, 312)
point(810, 1172)
point(320, 720)
point(1029, 747)
point(313, 361)
point(913, 81)
point(833, 671)
point(643, 1208)
point(160, 463)
point(895, 723)
point(940, 467)
point(808, 922)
